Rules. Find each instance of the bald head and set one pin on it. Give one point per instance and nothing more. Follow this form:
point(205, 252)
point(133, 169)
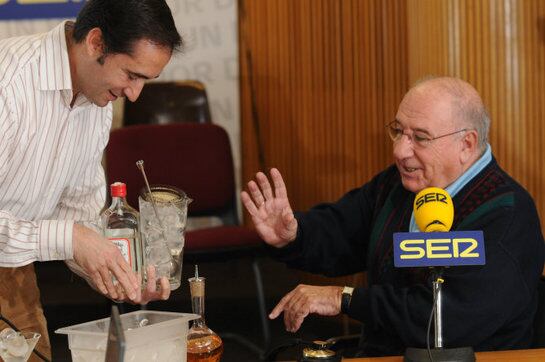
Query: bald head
point(442, 127)
point(467, 106)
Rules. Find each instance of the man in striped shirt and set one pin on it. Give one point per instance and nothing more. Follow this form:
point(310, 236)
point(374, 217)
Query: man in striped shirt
point(56, 91)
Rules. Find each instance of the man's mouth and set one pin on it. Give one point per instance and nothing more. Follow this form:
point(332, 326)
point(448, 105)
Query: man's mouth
point(113, 95)
point(409, 169)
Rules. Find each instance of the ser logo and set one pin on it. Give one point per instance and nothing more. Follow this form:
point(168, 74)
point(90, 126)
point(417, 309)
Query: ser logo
point(439, 249)
point(431, 197)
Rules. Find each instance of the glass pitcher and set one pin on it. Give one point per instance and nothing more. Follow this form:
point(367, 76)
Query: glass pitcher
point(163, 239)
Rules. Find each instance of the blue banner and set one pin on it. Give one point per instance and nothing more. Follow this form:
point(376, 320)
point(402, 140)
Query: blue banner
point(39, 9)
point(439, 249)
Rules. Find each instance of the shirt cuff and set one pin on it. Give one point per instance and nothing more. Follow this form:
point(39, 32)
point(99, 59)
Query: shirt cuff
point(55, 240)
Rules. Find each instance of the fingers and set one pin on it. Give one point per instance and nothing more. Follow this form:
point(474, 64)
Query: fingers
point(248, 203)
point(97, 280)
point(125, 276)
point(116, 279)
point(295, 312)
point(102, 260)
point(151, 285)
point(265, 186)
point(151, 292)
point(280, 306)
point(257, 196)
point(279, 185)
point(121, 296)
point(293, 321)
point(306, 299)
point(293, 315)
point(139, 296)
point(106, 278)
point(164, 291)
point(261, 190)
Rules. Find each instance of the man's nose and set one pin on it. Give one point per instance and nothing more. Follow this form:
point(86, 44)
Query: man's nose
point(132, 92)
point(403, 147)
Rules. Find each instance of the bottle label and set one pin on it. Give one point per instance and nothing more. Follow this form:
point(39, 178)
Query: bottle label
point(124, 246)
point(124, 240)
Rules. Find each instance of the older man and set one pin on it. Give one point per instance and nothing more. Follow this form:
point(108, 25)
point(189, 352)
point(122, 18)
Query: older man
point(439, 139)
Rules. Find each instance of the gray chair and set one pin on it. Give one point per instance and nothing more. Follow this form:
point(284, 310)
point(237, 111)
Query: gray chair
point(169, 102)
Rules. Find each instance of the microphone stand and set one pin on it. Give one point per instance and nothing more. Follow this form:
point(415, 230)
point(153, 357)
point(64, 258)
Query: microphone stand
point(437, 317)
point(439, 353)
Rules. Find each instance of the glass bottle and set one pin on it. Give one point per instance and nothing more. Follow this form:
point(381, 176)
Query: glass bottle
point(203, 345)
point(120, 225)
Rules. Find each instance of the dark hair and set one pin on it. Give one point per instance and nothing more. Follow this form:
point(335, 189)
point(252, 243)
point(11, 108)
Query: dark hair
point(123, 22)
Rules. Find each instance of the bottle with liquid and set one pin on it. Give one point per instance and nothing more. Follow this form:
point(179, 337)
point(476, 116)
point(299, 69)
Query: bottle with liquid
point(120, 225)
point(203, 345)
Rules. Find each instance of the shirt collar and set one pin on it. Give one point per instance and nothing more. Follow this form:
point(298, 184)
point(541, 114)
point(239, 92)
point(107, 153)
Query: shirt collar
point(471, 172)
point(461, 181)
point(54, 64)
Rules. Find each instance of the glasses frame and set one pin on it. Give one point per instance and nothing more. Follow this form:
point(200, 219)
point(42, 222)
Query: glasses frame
point(423, 143)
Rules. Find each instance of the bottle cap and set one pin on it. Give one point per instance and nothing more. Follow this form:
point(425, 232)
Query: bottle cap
point(118, 189)
point(196, 284)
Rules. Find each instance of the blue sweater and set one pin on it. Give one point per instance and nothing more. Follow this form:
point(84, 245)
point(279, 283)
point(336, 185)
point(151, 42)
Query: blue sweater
point(488, 307)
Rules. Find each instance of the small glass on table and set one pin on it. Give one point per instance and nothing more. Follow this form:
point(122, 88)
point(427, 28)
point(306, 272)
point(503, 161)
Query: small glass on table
point(17, 346)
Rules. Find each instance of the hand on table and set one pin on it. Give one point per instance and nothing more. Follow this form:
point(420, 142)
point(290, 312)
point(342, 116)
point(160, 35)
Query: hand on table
point(306, 299)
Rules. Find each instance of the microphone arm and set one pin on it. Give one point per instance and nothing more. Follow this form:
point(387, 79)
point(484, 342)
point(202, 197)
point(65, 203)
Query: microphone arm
point(437, 298)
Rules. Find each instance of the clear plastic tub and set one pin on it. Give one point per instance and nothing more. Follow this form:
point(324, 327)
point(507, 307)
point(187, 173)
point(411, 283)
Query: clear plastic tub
point(149, 336)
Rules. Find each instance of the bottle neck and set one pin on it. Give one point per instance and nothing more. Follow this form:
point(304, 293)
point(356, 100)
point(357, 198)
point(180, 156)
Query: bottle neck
point(197, 305)
point(118, 202)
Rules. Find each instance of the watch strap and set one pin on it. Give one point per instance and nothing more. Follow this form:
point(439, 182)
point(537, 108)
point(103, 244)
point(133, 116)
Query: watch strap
point(346, 298)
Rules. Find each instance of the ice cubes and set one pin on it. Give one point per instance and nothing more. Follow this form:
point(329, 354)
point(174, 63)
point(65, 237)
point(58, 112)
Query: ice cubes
point(162, 248)
point(159, 256)
point(17, 346)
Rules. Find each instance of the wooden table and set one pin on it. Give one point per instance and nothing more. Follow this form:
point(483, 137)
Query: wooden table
point(533, 355)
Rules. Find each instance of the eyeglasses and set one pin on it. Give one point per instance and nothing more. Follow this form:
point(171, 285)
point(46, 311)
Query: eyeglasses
point(417, 138)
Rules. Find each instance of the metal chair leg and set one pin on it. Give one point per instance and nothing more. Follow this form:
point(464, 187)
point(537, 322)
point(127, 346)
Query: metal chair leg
point(262, 306)
point(261, 351)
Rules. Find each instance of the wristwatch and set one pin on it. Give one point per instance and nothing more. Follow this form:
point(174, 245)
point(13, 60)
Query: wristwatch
point(346, 297)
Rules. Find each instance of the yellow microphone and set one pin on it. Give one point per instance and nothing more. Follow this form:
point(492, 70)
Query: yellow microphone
point(433, 210)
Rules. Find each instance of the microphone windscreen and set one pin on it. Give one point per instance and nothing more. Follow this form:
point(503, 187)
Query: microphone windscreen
point(433, 210)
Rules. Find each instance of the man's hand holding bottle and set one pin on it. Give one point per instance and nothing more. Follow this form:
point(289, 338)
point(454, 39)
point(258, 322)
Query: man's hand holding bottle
point(101, 262)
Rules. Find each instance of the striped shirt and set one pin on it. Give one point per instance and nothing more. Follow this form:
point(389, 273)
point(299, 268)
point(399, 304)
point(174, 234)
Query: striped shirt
point(50, 153)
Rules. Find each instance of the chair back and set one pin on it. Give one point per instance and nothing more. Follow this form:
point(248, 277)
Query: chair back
point(193, 157)
point(169, 102)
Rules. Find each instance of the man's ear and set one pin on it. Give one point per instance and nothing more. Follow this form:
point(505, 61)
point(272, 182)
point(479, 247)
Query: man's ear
point(94, 43)
point(470, 142)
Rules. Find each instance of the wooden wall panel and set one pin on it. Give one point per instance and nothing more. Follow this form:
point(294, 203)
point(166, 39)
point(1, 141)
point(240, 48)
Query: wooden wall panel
point(326, 76)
